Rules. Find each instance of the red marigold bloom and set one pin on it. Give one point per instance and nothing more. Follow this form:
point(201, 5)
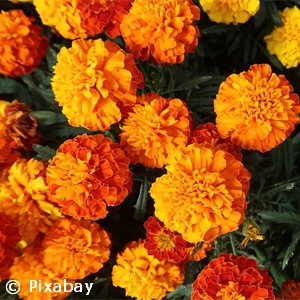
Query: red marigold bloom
point(203, 193)
point(163, 243)
point(164, 33)
point(154, 129)
point(24, 198)
point(290, 290)
point(74, 249)
point(232, 277)
point(9, 237)
point(87, 174)
point(17, 129)
point(92, 80)
point(29, 266)
point(256, 109)
point(21, 46)
point(207, 133)
point(98, 16)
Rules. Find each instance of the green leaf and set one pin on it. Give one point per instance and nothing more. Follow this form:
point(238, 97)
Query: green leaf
point(290, 250)
point(198, 247)
point(44, 152)
point(289, 157)
point(274, 13)
point(220, 28)
point(278, 217)
point(296, 139)
point(180, 291)
point(141, 202)
point(296, 267)
point(48, 117)
point(276, 63)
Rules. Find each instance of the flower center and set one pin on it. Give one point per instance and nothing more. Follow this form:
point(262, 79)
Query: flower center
point(164, 241)
point(229, 292)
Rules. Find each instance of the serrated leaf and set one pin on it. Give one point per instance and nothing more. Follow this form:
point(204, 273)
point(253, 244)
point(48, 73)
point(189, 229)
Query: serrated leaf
point(276, 63)
point(44, 152)
point(48, 117)
point(289, 158)
point(180, 291)
point(290, 250)
point(259, 17)
point(278, 217)
point(296, 139)
point(274, 13)
point(220, 28)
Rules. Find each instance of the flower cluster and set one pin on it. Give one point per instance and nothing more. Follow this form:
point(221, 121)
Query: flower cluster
point(161, 31)
point(21, 45)
point(92, 79)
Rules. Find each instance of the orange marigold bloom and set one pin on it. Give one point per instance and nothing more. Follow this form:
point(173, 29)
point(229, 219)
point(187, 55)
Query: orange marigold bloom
point(17, 128)
point(207, 133)
point(154, 129)
point(203, 193)
point(87, 174)
point(200, 254)
point(161, 30)
point(63, 15)
point(24, 197)
point(21, 46)
point(9, 237)
point(256, 109)
point(74, 249)
point(232, 277)
point(91, 79)
point(230, 11)
point(290, 290)
point(143, 276)
point(99, 16)
point(30, 266)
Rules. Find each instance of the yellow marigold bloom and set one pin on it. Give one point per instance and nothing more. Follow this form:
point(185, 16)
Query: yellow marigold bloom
point(230, 11)
point(257, 109)
point(74, 249)
point(87, 174)
point(154, 129)
point(251, 232)
point(30, 266)
point(203, 193)
point(284, 41)
point(161, 30)
point(143, 276)
point(21, 46)
point(62, 15)
point(92, 80)
point(24, 198)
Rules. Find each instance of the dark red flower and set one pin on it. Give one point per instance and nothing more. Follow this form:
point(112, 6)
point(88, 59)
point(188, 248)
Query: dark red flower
point(231, 277)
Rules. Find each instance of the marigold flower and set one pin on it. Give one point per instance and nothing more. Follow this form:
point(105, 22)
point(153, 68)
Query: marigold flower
point(230, 11)
point(203, 193)
point(290, 290)
point(30, 266)
point(232, 277)
point(143, 276)
point(62, 15)
point(74, 249)
point(256, 109)
point(207, 133)
point(99, 16)
point(155, 129)
point(251, 232)
point(21, 46)
point(91, 79)
point(87, 174)
point(284, 41)
point(23, 194)
point(161, 31)
point(163, 243)
point(17, 129)
point(9, 237)
point(18, 1)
